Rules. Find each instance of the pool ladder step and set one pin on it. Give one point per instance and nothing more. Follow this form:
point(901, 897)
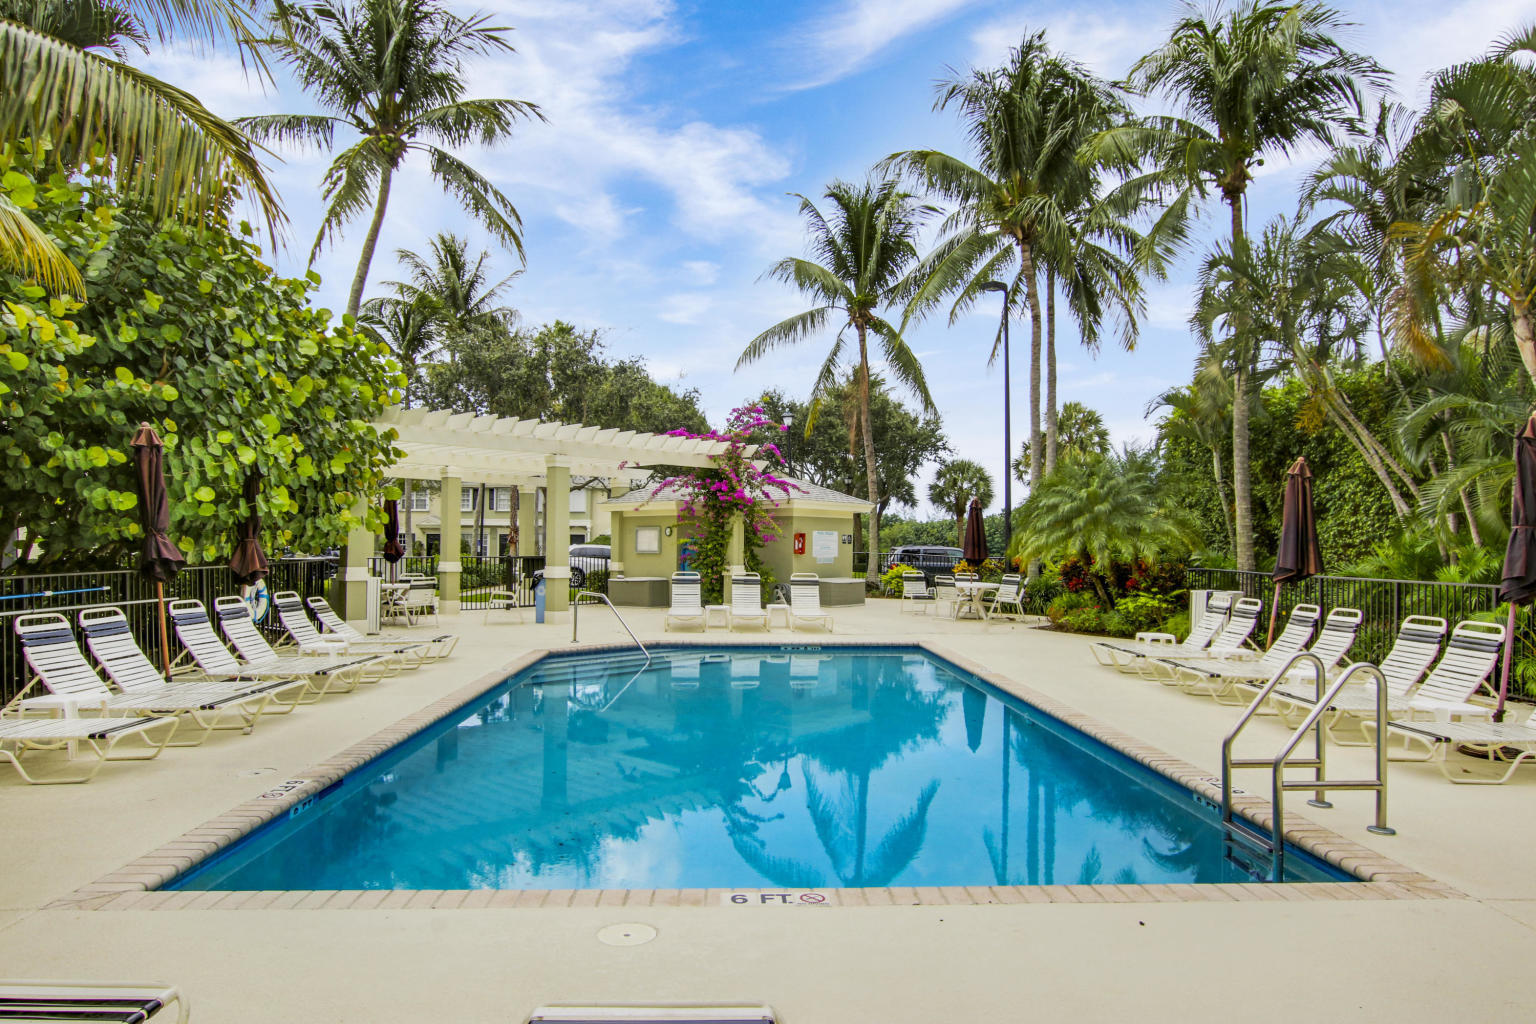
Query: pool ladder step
point(1240, 832)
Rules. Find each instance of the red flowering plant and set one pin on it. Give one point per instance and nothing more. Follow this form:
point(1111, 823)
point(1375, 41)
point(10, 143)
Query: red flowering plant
point(739, 484)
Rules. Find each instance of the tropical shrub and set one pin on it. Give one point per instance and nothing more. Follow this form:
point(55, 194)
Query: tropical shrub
point(187, 329)
point(1142, 612)
point(890, 580)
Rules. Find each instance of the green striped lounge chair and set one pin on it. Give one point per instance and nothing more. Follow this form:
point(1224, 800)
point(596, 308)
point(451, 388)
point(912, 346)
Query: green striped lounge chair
point(1128, 656)
point(432, 648)
point(235, 621)
point(1218, 677)
point(290, 612)
point(195, 631)
point(210, 704)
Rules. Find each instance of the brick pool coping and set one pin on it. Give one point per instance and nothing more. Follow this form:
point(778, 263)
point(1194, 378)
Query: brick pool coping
point(135, 885)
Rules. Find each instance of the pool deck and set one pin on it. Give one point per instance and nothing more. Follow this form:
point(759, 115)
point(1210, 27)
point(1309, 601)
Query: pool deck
point(1195, 953)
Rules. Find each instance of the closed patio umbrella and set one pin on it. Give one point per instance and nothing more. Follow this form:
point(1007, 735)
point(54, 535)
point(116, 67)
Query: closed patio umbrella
point(248, 563)
point(1299, 556)
point(159, 559)
point(974, 546)
point(393, 549)
point(1518, 583)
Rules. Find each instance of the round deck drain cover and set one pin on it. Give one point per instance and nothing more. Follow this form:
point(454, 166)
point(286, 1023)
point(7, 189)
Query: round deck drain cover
point(626, 934)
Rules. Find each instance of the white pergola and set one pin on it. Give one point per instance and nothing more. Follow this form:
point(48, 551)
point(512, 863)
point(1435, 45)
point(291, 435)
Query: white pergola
point(448, 447)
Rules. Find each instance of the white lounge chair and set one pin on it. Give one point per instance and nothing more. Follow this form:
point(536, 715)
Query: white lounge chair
point(1009, 594)
point(1219, 678)
point(432, 648)
point(805, 602)
point(687, 601)
point(74, 687)
point(1227, 644)
point(1446, 693)
point(747, 601)
point(124, 1002)
point(100, 735)
point(1128, 657)
point(1492, 740)
point(206, 702)
point(914, 589)
point(235, 620)
point(195, 631)
point(290, 612)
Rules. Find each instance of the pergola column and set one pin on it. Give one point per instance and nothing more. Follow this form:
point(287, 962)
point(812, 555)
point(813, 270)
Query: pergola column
point(616, 541)
point(351, 591)
point(450, 542)
point(527, 521)
point(557, 533)
point(735, 553)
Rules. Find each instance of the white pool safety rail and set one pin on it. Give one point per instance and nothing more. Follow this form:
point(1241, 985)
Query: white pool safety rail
point(595, 596)
point(1241, 833)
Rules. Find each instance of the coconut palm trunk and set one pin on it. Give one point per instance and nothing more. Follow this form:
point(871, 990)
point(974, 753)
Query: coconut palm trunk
point(871, 470)
point(370, 243)
point(1032, 293)
point(1051, 424)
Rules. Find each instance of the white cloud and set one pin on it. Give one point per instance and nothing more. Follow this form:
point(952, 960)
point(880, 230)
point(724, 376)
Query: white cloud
point(847, 39)
point(703, 272)
point(688, 308)
point(1108, 44)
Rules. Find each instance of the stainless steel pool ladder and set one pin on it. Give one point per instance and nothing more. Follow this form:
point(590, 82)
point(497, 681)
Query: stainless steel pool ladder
point(595, 596)
point(1273, 845)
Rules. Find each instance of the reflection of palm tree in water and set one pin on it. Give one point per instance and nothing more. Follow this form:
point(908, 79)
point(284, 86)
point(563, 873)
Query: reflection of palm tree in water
point(898, 716)
point(1055, 782)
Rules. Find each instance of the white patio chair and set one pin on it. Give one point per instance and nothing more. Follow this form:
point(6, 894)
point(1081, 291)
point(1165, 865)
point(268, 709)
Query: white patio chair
point(747, 601)
point(946, 596)
point(914, 589)
point(1219, 677)
point(1127, 657)
point(687, 601)
point(1009, 594)
point(19, 736)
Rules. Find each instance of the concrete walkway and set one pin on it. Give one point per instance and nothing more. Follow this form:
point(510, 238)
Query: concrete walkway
point(1408, 960)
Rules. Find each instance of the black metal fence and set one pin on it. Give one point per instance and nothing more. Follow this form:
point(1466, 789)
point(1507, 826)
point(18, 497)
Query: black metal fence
point(1383, 603)
point(861, 562)
point(67, 593)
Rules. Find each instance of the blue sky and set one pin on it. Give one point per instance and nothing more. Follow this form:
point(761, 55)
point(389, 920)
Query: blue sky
point(656, 195)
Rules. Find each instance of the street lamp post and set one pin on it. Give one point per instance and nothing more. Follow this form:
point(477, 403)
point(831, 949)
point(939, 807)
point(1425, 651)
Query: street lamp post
point(998, 286)
point(789, 433)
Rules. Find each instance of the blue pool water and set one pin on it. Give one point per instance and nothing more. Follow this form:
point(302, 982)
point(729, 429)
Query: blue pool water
point(737, 768)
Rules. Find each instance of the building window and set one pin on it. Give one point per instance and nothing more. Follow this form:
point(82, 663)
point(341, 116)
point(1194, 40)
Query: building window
point(579, 501)
point(419, 500)
point(647, 540)
point(466, 500)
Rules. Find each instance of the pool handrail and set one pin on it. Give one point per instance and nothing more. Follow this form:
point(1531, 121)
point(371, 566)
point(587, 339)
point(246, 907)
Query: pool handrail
point(594, 595)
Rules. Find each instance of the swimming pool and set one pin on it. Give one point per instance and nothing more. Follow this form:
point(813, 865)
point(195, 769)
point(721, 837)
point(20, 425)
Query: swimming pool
point(797, 767)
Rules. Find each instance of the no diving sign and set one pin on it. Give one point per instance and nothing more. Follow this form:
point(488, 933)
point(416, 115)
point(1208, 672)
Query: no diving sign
point(774, 899)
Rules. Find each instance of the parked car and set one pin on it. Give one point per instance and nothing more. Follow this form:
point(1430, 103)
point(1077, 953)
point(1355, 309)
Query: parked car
point(584, 558)
point(929, 560)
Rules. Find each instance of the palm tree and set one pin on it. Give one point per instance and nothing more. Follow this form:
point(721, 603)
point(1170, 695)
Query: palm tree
point(1082, 433)
point(1201, 412)
point(861, 255)
point(955, 484)
point(405, 325)
point(456, 292)
point(1478, 235)
point(1101, 509)
point(392, 71)
point(64, 78)
point(1264, 78)
point(1026, 122)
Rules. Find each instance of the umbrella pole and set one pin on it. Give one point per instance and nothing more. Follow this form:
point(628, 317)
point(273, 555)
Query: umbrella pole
point(1274, 610)
point(165, 644)
point(1509, 655)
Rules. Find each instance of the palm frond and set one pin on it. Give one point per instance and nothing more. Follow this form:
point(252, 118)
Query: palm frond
point(27, 249)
